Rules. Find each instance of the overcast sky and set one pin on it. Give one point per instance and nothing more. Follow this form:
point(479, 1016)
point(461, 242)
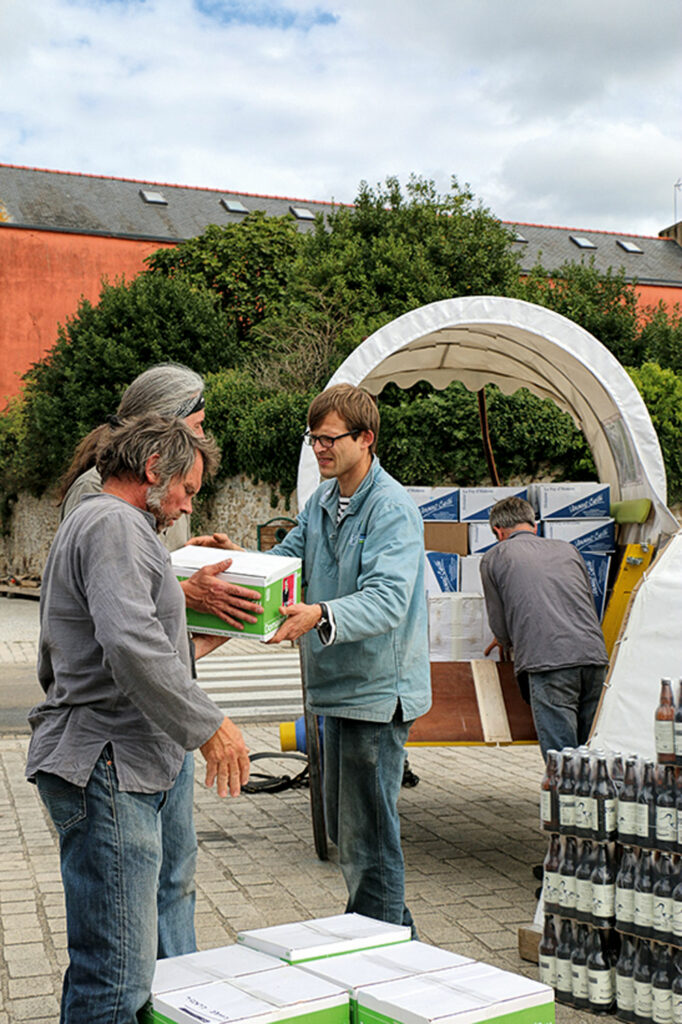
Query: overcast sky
point(554, 111)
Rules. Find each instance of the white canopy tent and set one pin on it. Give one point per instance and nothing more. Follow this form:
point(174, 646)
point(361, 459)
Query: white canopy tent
point(513, 344)
point(492, 340)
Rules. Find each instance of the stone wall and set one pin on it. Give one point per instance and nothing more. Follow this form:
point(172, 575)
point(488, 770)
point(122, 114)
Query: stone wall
point(237, 509)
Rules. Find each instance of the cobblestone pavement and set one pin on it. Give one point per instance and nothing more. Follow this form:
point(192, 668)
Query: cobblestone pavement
point(470, 838)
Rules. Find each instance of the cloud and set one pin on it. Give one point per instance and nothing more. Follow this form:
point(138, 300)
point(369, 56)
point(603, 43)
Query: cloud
point(561, 112)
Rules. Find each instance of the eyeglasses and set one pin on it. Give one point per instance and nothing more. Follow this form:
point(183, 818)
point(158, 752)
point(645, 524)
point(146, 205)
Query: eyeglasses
point(326, 441)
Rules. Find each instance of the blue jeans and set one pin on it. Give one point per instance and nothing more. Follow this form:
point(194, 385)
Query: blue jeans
point(363, 771)
point(128, 862)
point(563, 703)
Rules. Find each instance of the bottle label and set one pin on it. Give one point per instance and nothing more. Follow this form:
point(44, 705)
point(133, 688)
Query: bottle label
point(677, 921)
point(603, 900)
point(602, 986)
point(643, 998)
point(666, 824)
point(605, 816)
point(662, 917)
point(661, 1005)
point(545, 807)
point(550, 882)
point(677, 1007)
point(583, 813)
point(547, 966)
point(664, 737)
point(583, 895)
point(627, 817)
point(567, 810)
point(625, 905)
point(567, 892)
point(677, 733)
point(644, 909)
point(625, 992)
point(579, 986)
point(642, 821)
point(563, 975)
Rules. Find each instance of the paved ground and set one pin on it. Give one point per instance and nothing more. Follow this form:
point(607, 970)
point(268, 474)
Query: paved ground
point(470, 837)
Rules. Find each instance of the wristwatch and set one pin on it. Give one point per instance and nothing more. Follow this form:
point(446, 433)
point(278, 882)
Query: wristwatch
point(324, 626)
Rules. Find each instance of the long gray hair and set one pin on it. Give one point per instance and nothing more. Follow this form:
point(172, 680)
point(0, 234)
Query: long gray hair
point(125, 449)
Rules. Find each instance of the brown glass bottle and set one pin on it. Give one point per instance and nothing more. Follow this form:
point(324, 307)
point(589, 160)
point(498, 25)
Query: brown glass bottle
point(601, 975)
point(627, 804)
point(549, 798)
point(646, 808)
point(664, 724)
point(547, 953)
point(550, 876)
point(604, 804)
point(625, 985)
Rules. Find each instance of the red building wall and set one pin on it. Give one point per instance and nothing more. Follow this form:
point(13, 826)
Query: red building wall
point(43, 276)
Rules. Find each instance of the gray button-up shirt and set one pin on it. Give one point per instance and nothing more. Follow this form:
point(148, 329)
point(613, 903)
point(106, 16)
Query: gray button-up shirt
point(113, 654)
point(539, 601)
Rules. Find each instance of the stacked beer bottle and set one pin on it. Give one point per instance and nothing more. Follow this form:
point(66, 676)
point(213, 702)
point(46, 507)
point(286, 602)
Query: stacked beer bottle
point(612, 884)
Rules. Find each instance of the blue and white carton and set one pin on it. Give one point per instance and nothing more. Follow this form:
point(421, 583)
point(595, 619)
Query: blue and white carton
point(475, 502)
point(597, 565)
point(442, 573)
point(436, 503)
point(587, 500)
point(470, 575)
point(481, 538)
point(584, 534)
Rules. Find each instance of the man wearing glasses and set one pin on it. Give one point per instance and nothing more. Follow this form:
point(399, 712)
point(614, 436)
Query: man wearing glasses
point(364, 641)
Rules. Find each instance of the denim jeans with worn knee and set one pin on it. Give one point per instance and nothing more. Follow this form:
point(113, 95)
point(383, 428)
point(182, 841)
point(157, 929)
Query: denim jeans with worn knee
point(564, 702)
point(363, 771)
point(128, 863)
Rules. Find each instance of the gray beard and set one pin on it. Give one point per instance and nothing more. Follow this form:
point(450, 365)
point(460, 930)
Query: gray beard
point(155, 498)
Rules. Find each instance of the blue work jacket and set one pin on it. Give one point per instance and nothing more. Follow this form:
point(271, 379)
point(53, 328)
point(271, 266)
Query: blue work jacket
point(370, 570)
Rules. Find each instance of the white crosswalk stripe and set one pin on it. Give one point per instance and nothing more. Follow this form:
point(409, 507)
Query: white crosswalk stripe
point(254, 686)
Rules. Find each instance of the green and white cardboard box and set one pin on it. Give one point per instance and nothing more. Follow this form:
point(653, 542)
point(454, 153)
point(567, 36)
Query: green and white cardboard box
point(461, 995)
point(323, 936)
point(279, 996)
point(277, 580)
point(373, 966)
point(203, 968)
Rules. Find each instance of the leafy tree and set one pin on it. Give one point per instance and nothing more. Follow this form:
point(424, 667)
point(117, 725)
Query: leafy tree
point(245, 264)
point(99, 351)
point(660, 339)
point(661, 390)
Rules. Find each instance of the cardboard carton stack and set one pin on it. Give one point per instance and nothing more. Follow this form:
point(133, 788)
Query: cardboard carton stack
point(345, 969)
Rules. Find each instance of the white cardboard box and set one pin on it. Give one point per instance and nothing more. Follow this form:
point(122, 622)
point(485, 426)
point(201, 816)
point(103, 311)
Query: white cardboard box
point(470, 575)
point(458, 627)
point(436, 503)
point(481, 538)
point(277, 580)
point(442, 572)
point(462, 995)
point(597, 565)
point(279, 995)
point(584, 534)
point(323, 936)
point(475, 502)
point(209, 965)
point(588, 500)
point(371, 967)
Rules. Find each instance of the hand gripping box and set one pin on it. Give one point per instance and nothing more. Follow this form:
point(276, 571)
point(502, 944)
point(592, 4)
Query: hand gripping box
point(323, 936)
point(436, 503)
point(573, 500)
point(203, 968)
point(442, 573)
point(584, 534)
point(461, 995)
point(353, 971)
point(284, 995)
point(277, 580)
point(475, 502)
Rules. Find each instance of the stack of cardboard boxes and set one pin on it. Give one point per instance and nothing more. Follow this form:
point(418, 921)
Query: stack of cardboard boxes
point(457, 534)
point(345, 969)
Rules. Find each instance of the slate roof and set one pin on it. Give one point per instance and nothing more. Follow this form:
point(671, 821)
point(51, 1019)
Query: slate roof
point(114, 207)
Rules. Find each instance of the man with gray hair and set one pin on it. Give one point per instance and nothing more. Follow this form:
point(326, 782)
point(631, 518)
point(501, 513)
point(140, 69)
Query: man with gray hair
point(111, 743)
point(540, 603)
point(169, 389)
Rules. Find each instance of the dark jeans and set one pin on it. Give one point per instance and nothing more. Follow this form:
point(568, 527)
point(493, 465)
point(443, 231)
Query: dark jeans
point(363, 771)
point(128, 862)
point(564, 702)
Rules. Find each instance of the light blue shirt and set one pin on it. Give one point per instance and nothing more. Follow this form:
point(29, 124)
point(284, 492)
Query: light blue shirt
point(369, 568)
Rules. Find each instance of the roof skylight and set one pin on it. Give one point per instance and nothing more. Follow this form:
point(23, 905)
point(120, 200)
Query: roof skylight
point(582, 242)
point(518, 237)
point(234, 206)
point(629, 246)
point(302, 213)
point(155, 198)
